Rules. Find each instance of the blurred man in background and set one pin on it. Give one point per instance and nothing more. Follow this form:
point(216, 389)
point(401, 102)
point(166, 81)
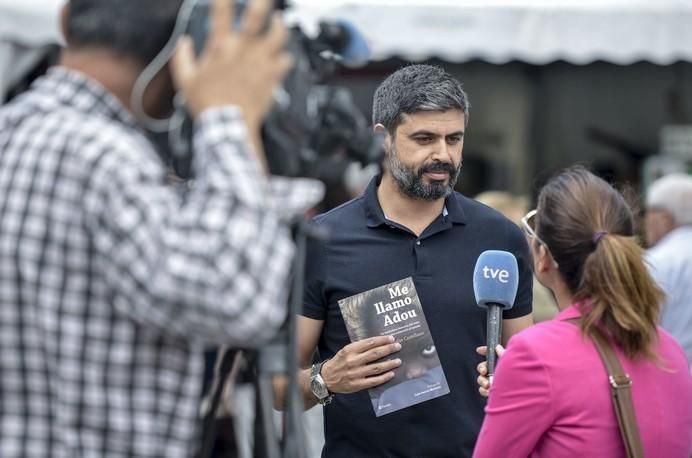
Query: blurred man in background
point(514, 208)
point(668, 225)
point(112, 282)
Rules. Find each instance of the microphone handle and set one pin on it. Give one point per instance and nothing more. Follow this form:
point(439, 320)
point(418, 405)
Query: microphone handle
point(493, 336)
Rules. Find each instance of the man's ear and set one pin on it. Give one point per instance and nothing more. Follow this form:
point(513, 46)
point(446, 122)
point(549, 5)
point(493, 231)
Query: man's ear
point(379, 129)
point(64, 21)
point(668, 221)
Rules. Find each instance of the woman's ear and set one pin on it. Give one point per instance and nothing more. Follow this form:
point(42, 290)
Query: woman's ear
point(543, 260)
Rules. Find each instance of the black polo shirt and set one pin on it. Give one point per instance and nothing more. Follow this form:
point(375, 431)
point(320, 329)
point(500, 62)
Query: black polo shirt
point(364, 251)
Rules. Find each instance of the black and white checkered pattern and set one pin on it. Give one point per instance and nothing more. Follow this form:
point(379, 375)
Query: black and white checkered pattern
point(112, 282)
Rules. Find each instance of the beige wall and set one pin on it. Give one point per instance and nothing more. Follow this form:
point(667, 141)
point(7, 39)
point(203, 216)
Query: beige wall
point(529, 121)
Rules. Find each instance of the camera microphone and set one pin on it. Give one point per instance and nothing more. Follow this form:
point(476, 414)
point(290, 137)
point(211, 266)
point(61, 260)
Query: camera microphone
point(345, 40)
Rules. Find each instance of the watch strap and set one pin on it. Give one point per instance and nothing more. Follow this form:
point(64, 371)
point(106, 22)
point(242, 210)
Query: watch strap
point(316, 374)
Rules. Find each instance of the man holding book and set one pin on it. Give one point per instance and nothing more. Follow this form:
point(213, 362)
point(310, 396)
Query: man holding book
point(395, 275)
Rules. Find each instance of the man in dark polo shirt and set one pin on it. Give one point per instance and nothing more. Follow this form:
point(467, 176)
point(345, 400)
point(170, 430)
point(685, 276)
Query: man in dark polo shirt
point(408, 223)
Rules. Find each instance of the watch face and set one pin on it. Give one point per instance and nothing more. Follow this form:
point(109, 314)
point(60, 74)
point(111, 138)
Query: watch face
point(318, 389)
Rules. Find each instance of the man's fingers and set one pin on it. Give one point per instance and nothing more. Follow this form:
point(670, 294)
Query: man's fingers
point(255, 16)
point(183, 62)
point(220, 20)
point(366, 344)
point(377, 380)
point(483, 351)
point(375, 369)
point(482, 368)
point(380, 352)
point(277, 35)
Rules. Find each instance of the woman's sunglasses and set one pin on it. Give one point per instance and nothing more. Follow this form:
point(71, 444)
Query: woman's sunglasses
point(528, 224)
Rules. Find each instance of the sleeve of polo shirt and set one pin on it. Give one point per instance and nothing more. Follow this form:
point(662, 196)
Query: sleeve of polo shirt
point(314, 298)
point(520, 248)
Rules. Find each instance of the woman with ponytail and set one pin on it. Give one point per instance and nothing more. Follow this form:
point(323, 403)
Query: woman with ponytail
point(551, 394)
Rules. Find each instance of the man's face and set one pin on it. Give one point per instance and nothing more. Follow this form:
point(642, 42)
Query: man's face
point(657, 223)
point(424, 156)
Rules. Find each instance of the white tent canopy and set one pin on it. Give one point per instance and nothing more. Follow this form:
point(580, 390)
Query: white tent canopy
point(533, 31)
point(496, 31)
point(26, 27)
point(30, 22)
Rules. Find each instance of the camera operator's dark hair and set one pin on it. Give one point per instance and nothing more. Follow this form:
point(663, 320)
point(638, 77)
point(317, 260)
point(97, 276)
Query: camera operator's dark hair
point(417, 88)
point(132, 28)
point(588, 227)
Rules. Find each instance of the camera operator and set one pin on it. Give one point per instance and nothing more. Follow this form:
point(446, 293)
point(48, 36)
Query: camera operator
point(112, 281)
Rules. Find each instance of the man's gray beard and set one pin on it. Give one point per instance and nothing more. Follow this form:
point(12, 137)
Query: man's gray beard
point(411, 184)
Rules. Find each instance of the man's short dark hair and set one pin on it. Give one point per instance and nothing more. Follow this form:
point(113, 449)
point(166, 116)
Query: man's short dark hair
point(132, 28)
point(417, 88)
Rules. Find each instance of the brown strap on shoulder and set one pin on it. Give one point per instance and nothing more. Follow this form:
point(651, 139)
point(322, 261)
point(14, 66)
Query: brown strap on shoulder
point(621, 392)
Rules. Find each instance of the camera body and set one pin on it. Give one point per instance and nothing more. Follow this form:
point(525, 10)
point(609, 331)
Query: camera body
point(312, 124)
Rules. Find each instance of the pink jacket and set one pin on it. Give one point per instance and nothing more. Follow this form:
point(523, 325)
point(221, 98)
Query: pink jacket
point(550, 398)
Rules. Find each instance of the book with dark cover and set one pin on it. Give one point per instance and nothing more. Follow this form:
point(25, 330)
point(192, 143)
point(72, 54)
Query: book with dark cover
point(395, 309)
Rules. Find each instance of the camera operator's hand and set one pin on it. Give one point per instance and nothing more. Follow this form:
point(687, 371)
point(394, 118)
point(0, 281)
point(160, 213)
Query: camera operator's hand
point(238, 67)
point(353, 368)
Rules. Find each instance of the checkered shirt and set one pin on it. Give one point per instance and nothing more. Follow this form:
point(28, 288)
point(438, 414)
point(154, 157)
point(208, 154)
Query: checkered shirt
point(113, 282)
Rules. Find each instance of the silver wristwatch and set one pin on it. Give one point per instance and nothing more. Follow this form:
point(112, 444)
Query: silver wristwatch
point(317, 385)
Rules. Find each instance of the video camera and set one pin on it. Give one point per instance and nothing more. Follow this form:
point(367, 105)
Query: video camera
point(314, 129)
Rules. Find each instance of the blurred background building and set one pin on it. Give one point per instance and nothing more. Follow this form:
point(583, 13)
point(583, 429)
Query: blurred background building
point(604, 82)
point(552, 82)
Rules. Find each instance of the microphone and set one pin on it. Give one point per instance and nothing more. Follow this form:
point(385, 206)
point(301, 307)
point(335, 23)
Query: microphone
point(495, 283)
point(344, 39)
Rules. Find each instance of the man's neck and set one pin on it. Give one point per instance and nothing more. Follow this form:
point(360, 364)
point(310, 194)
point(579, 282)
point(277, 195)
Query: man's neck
point(116, 74)
point(414, 214)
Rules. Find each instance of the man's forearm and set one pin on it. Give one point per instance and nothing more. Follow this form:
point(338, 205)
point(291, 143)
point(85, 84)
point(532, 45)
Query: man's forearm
point(281, 390)
point(513, 326)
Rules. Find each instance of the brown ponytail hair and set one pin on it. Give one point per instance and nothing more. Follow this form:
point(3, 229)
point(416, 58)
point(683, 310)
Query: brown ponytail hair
point(589, 229)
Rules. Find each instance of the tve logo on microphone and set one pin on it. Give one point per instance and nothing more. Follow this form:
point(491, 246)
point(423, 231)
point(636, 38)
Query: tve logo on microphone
point(496, 278)
point(500, 274)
